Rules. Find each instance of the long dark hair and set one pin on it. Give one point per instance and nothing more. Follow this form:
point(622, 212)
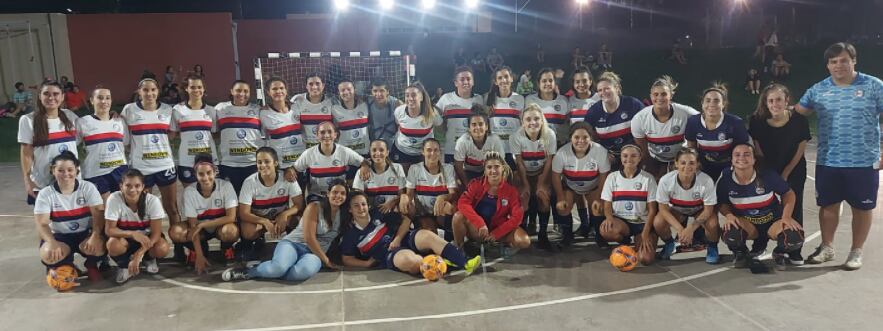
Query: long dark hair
point(762, 111)
point(41, 122)
point(287, 92)
point(186, 84)
point(494, 93)
point(582, 70)
point(272, 152)
point(346, 216)
point(314, 74)
point(385, 145)
point(201, 158)
point(482, 112)
point(142, 199)
point(325, 203)
point(540, 74)
point(427, 110)
point(355, 96)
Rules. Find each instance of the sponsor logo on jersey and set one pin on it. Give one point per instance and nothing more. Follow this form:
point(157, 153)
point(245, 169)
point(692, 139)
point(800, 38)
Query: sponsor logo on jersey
point(696, 195)
point(675, 129)
point(859, 93)
point(62, 148)
point(759, 190)
point(281, 191)
point(292, 140)
point(629, 205)
point(240, 133)
point(217, 202)
point(154, 138)
point(199, 136)
point(638, 186)
point(111, 147)
point(512, 104)
point(81, 201)
point(557, 108)
point(624, 116)
point(721, 136)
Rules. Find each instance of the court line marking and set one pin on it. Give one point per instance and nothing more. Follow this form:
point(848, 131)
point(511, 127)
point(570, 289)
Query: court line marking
point(5, 215)
point(504, 308)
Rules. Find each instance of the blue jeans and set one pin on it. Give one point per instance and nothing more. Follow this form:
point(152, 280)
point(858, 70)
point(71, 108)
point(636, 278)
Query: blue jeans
point(291, 261)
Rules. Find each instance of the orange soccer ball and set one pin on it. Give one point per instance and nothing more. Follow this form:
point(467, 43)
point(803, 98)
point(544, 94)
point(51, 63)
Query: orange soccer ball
point(433, 267)
point(63, 278)
point(624, 258)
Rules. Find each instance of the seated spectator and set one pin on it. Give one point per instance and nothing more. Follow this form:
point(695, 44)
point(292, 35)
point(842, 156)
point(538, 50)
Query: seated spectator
point(438, 94)
point(781, 68)
point(65, 83)
point(494, 60)
point(477, 62)
point(541, 55)
point(170, 96)
point(677, 53)
point(460, 57)
point(577, 59)
point(23, 99)
point(605, 58)
point(752, 82)
point(75, 99)
point(525, 84)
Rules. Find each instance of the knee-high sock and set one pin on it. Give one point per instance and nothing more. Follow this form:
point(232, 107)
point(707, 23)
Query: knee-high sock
point(453, 254)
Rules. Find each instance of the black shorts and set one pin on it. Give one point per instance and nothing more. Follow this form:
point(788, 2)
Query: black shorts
point(236, 175)
point(408, 242)
point(401, 157)
point(186, 175)
point(161, 178)
point(73, 241)
point(110, 182)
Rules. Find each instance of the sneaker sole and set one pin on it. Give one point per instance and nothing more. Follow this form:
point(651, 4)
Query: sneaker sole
point(851, 268)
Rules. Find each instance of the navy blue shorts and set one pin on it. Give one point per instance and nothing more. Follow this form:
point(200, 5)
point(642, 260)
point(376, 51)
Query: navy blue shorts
point(449, 158)
point(109, 182)
point(161, 178)
point(470, 175)
point(858, 186)
point(510, 160)
point(73, 241)
point(402, 157)
point(186, 175)
point(236, 175)
point(408, 242)
point(763, 230)
point(32, 199)
point(635, 229)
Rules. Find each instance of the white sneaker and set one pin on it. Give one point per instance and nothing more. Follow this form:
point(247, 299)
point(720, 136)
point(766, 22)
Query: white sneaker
point(151, 266)
point(854, 260)
point(822, 254)
point(122, 275)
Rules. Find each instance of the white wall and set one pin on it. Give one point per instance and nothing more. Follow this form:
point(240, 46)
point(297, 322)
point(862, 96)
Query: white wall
point(29, 56)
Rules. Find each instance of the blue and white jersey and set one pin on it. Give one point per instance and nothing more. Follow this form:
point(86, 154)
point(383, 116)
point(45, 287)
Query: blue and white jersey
point(68, 213)
point(664, 140)
point(373, 240)
point(758, 201)
point(629, 196)
point(716, 146)
point(849, 120)
point(324, 169)
point(614, 129)
point(686, 201)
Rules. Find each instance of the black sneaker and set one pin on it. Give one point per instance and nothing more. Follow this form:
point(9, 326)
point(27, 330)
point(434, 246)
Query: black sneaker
point(740, 260)
point(758, 247)
point(794, 258)
point(779, 259)
point(584, 231)
point(179, 255)
point(543, 243)
point(532, 228)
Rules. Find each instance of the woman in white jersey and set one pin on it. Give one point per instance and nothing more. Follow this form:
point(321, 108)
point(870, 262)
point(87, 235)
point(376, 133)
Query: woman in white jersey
point(579, 170)
point(326, 161)
point(471, 148)
point(313, 107)
point(69, 218)
point(239, 124)
point(267, 203)
point(103, 137)
point(533, 146)
point(282, 129)
point(629, 204)
point(304, 251)
point(385, 182)
point(133, 224)
point(195, 121)
point(554, 105)
point(351, 117)
point(415, 120)
point(43, 134)
point(431, 189)
point(682, 194)
point(210, 211)
point(505, 108)
point(582, 98)
point(659, 129)
point(149, 122)
point(455, 108)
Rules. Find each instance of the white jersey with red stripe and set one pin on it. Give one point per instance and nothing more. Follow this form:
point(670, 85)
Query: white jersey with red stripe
point(150, 150)
point(555, 111)
point(126, 219)
point(630, 196)
point(456, 111)
point(310, 115)
point(58, 141)
point(664, 140)
point(384, 186)
point(506, 117)
point(472, 156)
point(196, 127)
point(412, 130)
point(353, 126)
point(284, 134)
point(240, 133)
point(581, 174)
point(323, 169)
point(428, 186)
point(68, 213)
point(215, 206)
point(686, 201)
point(268, 201)
point(580, 107)
point(104, 144)
point(533, 152)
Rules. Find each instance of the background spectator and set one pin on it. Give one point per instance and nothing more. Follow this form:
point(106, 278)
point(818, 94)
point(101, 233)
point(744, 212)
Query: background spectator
point(197, 71)
point(23, 99)
point(577, 59)
point(677, 53)
point(541, 55)
point(605, 58)
point(75, 99)
point(781, 68)
point(494, 60)
point(752, 82)
point(460, 58)
point(525, 84)
point(477, 62)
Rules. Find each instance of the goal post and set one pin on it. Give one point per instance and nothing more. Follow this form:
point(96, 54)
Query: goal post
point(394, 68)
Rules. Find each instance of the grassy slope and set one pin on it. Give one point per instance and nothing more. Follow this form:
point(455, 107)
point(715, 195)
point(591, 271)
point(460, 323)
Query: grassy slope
point(637, 71)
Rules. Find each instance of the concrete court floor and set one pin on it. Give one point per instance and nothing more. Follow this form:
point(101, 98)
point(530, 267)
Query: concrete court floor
point(534, 290)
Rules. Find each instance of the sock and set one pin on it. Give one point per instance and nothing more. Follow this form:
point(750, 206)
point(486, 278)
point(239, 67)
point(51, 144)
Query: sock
point(566, 227)
point(451, 253)
point(583, 217)
point(669, 240)
point(92, 261)
point(544, 226)
point(595, 223)
point(225, 245)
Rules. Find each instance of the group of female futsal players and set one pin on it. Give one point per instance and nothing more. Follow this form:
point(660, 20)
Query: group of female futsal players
point(304, 171)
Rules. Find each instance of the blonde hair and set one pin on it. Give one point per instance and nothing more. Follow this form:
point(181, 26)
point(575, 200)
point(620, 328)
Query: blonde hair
point(612, 78)
point(665, 81)
point(544, 128)
point(496, 156)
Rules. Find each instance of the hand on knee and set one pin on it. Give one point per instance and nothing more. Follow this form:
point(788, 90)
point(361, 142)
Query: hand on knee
point(790, 240)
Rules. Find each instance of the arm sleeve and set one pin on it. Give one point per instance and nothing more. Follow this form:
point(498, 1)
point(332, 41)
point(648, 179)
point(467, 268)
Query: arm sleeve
point(189, 204)
point(651, 189)
point(173, 123)
point(213, 116)
point(740, 134)
point(604, 162)
point(25, 130)
point(354, 158)
point(514, 146)
point(348, 243)
point(112, 209)
point(607, 191)
point(637, 126)
point(294, 190)
point(710, 196)
point(411, 180)
point(43, 204)
point(808, 100)
point(557, 164)
point(93, 198)
point(245, 193)
point(301, 163)
point(662, 193)
point(721, 192)
point(460, 149)
point(690, 130)
point(230, 200)
point(400, 175)
point(358, 183)
point(154, 208)
point(450, 179)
